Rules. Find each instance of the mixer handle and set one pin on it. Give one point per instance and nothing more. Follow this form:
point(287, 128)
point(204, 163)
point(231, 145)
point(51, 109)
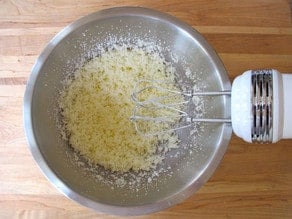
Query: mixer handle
point(287, 105)
point(261, 107)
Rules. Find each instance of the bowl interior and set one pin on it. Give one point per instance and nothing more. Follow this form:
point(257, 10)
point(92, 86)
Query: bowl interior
point(190, 165)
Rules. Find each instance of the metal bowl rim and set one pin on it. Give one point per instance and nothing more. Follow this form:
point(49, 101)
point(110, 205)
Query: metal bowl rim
point(52, 176)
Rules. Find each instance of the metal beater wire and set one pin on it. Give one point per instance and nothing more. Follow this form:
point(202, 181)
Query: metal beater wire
point(154, 103)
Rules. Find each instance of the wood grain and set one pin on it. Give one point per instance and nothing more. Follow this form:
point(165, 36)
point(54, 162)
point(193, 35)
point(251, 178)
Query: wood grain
point(252, 181)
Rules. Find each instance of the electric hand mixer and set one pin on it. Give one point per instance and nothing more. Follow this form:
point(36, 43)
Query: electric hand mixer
point(260, 107)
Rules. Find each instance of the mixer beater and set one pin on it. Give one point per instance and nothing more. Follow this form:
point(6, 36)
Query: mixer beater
point(168, 106)
point(260, 107)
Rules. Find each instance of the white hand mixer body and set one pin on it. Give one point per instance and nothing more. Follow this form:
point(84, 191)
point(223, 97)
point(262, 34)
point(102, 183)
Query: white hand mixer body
point(260, 106)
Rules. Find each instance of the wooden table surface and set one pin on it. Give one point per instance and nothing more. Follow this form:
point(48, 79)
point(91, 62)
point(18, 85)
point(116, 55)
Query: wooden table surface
point(252, 181)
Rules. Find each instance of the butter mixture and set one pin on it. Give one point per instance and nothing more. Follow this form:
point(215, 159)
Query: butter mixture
point(96, 106)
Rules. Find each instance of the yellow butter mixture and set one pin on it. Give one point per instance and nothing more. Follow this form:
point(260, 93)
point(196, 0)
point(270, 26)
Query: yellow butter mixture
point(96, 107)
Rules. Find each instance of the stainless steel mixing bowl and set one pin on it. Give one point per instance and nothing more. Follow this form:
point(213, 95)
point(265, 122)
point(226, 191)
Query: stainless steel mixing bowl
point(189, 166)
